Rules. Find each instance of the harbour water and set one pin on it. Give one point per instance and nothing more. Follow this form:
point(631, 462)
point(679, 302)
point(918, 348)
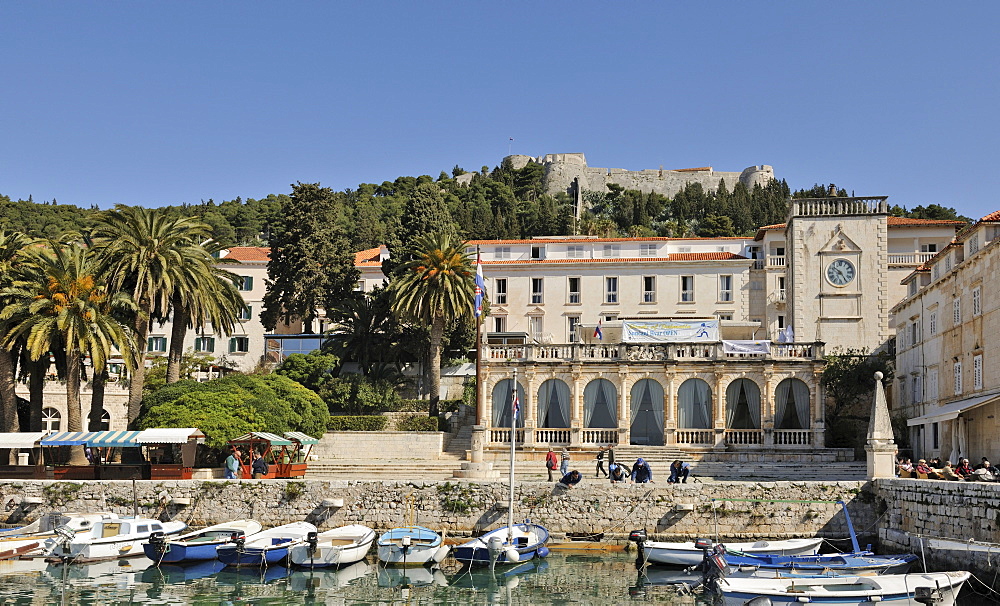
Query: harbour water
point(565, 577)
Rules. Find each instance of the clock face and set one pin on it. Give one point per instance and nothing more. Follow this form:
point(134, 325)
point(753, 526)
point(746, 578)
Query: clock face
point(840, 272)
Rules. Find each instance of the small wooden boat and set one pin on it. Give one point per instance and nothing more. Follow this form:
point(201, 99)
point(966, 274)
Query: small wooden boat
point(112, 539)
point(506, 545)
point(336, 547)
point(198, 545)
point(264, 548)
point(839, 563)
point(687, 554)
point(938, 588)
point(411, 546)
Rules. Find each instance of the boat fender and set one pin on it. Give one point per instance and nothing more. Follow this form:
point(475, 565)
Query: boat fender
point(511, 555)
point(512, 581)
point(441, 554)
point(543, 552)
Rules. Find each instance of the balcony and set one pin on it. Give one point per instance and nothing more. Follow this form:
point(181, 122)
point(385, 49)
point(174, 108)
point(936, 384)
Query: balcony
point(914, 258)
point(619, 352)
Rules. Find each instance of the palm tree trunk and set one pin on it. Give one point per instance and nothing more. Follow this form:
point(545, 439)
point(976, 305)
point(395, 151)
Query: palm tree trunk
point(74, 412)
point(139, 372)
point(437, 334)
point(97, 399)
point(8, 397)
point(177, 333)
point(36, 392)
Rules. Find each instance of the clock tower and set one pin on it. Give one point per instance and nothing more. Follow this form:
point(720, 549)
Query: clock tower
point(837, 271)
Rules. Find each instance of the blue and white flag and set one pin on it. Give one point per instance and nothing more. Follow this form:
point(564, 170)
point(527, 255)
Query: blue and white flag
point(515, 403)
point(480, 286)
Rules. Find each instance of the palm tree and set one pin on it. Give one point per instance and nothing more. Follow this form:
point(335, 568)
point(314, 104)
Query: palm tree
point(68, 308)
point(362, 330)
point(12, 246)
point(435, 287)
point(206, 294)
point(143, 251)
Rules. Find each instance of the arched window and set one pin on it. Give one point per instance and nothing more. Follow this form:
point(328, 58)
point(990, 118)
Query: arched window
point(105, 423)
point(743, 405)
point(502, 403)
point(694, 405)
point(553, 404)
point(51, 419)
point(646, 413)
point(791, 405)
point(600, 404)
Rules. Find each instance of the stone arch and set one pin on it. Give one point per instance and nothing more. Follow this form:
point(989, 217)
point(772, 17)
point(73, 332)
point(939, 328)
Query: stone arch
point(694, 404)
point(554, 404)
point(600, 404)
point(501, 402)
point(646, 412)
point(792, 404)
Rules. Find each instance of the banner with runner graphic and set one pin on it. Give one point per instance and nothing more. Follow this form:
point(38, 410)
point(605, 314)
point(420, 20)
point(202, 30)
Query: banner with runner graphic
point(669, 331)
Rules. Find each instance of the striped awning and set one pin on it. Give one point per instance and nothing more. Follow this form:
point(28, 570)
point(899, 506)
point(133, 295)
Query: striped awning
point(255, 436)
point(170, 435)
point(300, 437)
point(28, 439)
point(68, 438)
point(113, 439)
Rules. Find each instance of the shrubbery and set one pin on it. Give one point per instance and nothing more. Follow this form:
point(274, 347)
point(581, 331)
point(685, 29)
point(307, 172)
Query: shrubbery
point(231, 406)
point(418, 423)
point(361, 423)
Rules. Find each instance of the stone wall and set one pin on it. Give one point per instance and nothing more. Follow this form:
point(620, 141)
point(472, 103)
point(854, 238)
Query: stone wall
point(664, 510)
point(954, 525)
point(363, 445)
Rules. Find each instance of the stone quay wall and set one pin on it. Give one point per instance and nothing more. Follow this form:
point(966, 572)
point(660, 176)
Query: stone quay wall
point(665, 511)
point(953, 525)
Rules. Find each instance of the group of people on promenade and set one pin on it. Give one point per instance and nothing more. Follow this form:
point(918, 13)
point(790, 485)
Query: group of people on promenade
point(936, 469)
point(234, 465)
point(618, 473)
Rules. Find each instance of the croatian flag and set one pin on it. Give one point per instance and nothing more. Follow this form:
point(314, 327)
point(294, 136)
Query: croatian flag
point(515, 404)
point(598, 334)
point(480, 286)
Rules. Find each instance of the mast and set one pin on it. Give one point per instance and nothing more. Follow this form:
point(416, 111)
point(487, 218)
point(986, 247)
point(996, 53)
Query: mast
point(479, 349)
point(513, 438)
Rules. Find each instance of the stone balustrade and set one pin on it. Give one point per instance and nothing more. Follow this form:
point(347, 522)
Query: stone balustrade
point(586, 352)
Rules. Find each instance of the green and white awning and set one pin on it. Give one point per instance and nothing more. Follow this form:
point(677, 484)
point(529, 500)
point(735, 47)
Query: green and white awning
point(300, 437)
point(256, 436)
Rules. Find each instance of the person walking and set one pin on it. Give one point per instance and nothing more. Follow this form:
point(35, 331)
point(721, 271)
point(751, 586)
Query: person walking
point(258, 465)
point(564, 464)
point(551, 463)
point(600, 463)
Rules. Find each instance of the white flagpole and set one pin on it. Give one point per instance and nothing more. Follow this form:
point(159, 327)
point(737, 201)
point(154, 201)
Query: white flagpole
point(513, 437)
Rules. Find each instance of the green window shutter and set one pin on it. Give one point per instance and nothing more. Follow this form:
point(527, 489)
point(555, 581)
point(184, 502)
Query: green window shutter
point(249, 282)
point(232, 344)
point(249, 312)
point(210, 345)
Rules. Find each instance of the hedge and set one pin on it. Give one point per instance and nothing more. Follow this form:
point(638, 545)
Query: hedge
point(425, 405)
point(417, 423)
point(358, 423)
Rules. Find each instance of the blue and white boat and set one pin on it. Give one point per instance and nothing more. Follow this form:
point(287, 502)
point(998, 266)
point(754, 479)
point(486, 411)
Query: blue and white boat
point(512, 543)
point(410, 546)
point(839, 563)
point(939, 588)
point(199, 545)
point(265, 548)
point(505, 545)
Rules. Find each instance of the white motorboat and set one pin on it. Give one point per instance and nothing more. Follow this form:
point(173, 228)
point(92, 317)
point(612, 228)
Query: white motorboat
point(336, 547)
point(266, 548)
point(110, 539)
point(938, 588)
point(411, 546)
point(687, 554)
point(40, 537)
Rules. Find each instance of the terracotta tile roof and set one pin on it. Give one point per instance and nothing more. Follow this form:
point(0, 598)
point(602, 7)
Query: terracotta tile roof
point(368, 258)
point(708, 256)
point(993, 216)
point(775, 226)
point(248, 253)
point(906, 221)
point(596, 240)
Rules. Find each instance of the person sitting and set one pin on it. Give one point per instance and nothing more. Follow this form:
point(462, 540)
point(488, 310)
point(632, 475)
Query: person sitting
point(964, 470)
point(904, 469)
point(679, 472)
point(641, 472)
point(924, 470)
point(571, 479)
point(985, 464)
point(617, 473)
point(948, 473)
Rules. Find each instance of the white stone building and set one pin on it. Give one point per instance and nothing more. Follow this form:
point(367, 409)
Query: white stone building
point(947, 382)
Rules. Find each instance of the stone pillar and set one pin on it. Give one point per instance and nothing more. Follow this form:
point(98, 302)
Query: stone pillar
point(624, 401)
point(528, 407)
point(485, 399)
point(576, 410)
point(819, 411)
point(719, 411)
point(767, 421)
point(670, 402)
point(881, 448)
point(477, 468)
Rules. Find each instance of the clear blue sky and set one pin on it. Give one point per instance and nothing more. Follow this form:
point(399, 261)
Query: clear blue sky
point(157, 103)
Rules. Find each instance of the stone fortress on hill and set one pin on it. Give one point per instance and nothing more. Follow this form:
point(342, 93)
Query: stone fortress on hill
point(563, 171)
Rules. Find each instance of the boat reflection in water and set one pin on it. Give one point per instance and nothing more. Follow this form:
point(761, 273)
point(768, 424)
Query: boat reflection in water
point(328, 578)
point(411, 577)
point(170, 574)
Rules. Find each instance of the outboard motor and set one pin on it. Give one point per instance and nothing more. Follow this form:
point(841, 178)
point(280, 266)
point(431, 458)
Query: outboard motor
point(713, 565)
point(240, 541)
point(158, 541)
point(313, 540)
point(639, 538)
point(928, 595)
